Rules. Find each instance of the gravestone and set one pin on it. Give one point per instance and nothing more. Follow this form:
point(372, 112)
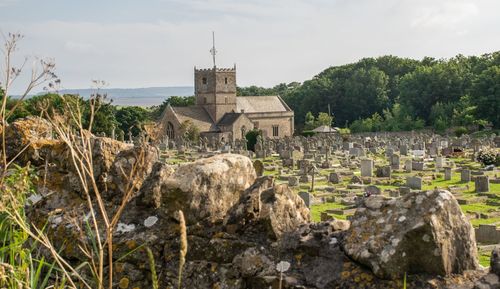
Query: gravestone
point(408, 166)
point(334, 178)
point(482, 184)
point(395, 161)
point(465, 175)
point(404, 190)
point(403, 150)
point(439, 162)
point(259, 168)
point(306, 197)
point(417, 166)
point(293, 181)
point(384, 172)
point(414, 182)
point(366, 167)
point(447, 173)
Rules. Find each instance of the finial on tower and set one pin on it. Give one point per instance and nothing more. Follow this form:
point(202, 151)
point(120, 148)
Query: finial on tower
point(213, 51)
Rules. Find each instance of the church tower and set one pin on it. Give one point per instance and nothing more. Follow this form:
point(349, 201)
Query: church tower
point(215, 89)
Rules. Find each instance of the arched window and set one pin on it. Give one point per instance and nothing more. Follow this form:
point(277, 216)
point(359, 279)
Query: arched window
point(204, 80)
point(170, 130)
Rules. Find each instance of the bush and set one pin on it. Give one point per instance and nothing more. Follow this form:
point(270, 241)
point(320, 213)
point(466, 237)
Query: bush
point(251, 137)
point(489, 157)
point(308, 133)
point(459, 131)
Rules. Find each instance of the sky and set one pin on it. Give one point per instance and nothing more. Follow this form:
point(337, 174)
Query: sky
point(147, 43)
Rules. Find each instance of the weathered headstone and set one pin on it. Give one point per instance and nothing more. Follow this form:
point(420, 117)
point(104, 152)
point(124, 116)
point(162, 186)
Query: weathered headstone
point(259, 167)
point(447, 173)
point(408, 166)
point(482, 184)
point(384, 172)
point(417, 166)
point(366, 167)
point(465, 175)
point(335, 178)
point(439, 162)
point(372, 190)
point(306, 197)
point(293, 181)
point(395, 161)
point(414, 182)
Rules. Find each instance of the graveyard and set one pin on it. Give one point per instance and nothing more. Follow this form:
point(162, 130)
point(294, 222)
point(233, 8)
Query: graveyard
point(332, 174)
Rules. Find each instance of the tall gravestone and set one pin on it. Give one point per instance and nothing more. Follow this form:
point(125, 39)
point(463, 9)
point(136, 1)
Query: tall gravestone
point(465, 175)
point(366, 167)
point(306, 197)
point(447, 173)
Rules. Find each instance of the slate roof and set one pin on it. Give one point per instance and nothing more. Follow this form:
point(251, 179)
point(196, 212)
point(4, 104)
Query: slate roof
point(197, 114)
point(228, 119)
point(252, 104)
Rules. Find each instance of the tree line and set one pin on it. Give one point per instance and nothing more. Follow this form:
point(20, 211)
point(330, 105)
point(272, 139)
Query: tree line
point(390, 93)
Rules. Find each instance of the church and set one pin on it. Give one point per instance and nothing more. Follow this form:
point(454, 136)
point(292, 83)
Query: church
point(219, 113)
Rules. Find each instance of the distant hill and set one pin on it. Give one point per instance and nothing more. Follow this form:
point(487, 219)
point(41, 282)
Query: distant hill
point(147, 96)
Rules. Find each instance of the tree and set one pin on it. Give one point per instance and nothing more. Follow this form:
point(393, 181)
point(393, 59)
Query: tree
point(130, 118)
point(486, 95)
point(324, 119)
point(309, 121)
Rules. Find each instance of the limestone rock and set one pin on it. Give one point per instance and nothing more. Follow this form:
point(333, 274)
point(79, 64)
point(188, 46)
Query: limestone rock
point(27, 136)
point(266, 207)
point(205, 189)
point(418, 233)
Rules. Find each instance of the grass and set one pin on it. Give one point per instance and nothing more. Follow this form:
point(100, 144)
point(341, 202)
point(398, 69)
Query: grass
point(317, 209)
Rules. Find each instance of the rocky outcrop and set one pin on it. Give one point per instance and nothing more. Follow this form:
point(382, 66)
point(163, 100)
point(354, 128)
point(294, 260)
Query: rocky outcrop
point(205, 189)
point(25, 137)
point(422, 232)
point(267, 208)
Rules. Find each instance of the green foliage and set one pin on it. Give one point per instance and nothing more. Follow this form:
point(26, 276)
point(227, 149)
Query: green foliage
point(394, 119)
point(307, 133)
point(190, 131)
point(131, 118)
point(461, 91)
point(281, 89)
point(459, 131)
point(251, 137)
point(157, 110)
point(322, 119)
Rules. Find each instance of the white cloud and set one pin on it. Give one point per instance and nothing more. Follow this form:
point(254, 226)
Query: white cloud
point(4, 3)
point(445, 14)
point(79, 47)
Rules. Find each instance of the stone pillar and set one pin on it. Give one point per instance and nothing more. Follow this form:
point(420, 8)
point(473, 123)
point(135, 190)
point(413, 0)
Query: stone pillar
point(482, 184)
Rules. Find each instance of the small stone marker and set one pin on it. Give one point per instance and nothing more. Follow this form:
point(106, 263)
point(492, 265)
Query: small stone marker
point(334, 178)
point(259, 168)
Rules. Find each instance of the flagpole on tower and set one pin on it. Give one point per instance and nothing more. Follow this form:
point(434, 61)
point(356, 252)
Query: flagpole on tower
point(213, 51)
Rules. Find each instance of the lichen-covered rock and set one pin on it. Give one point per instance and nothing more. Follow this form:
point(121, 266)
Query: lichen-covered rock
point(24, 137)
point(422, 232)
point(129, 169)
point(205, 189)
point(266, 207)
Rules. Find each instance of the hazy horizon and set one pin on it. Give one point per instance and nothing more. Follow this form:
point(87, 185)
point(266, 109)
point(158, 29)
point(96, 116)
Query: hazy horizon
point(133, 44)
